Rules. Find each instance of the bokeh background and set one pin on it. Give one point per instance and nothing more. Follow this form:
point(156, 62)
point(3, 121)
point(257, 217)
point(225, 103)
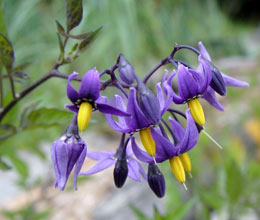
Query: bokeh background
point(225, 183)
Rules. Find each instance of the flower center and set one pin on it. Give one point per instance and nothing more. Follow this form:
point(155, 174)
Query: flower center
point(147, 141)
point(84, 115)
point(196, 111)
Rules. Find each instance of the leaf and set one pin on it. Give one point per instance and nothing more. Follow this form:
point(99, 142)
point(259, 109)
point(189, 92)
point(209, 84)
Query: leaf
point(6, 53)
point(86, 42)
point(74, 13)
point(2, 21)
point(21, 67)
point(20, 166)
point(81, 36)
point(6, 130)
point(45, 117)
point(60, 28)
point(138, 213)
point(61, 45)
point(4, 165)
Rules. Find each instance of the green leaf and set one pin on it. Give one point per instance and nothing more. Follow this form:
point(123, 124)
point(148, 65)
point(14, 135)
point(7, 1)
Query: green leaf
point(86, 42)
point(60, 28)
point(81, 36)
point(21, 67)
point(6, 53)
point(6, 130)
point(2, 21)
point(20, 166)
point(138, 213)
point(61, 45)
point(74, 13)
point(4, 165)
point(45, 117)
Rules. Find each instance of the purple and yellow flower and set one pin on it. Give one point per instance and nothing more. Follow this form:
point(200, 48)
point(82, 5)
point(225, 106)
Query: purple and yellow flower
point(67, 152)
point(88, 98)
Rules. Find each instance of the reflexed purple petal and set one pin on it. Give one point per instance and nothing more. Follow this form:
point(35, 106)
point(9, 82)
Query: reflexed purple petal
point(142, 172)
point(101, 155)
point(188, 87)
point(191, 136)
point(203, 51)
point(177, 129)
point(101, 165)
point(78, 165)
point(169, 96)
point(160, 96)
point(207, 74)
point(140, 154)
point(211, 98)
point(133, 171)
point(116, 125)
point(72, 94)
point(109, 109)
point(230, 81)
point(164, 148)
point(120, 105)
point(137, 119)
point(72, 108)
point(89, 87)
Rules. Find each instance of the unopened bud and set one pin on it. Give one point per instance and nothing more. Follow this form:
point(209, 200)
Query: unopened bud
point(156, 180)
point(126, 71)
point(120, 172)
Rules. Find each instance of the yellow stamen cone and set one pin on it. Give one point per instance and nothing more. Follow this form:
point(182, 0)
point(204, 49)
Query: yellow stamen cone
point(147, 141)
point(177, 169)
point(84, 115)
point(185, 160)
point(196, 111)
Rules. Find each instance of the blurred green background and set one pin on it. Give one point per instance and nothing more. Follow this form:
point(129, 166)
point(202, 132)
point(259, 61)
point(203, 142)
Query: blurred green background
point(225, 184)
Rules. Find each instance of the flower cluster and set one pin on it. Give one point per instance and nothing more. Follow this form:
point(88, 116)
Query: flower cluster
point(139, 110)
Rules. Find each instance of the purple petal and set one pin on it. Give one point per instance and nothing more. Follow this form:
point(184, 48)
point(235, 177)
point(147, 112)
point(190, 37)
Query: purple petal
point(137, 120)
point(188, 87)
point(78, 166)
point(133, 170)
point(164, 148)
point(89, 87)
point(230, 81)
point(203, 51)
point(72, 94)
point(140, 154)
point(169, 96)
point(116, 125)
point(101, 155)
point(101, 165)
point(207, 74)
point(72, 108)
point(178, 130)
point(191, 136)
point(109, 109)
point(211, 98)
point(142, 172)
point(160, 96)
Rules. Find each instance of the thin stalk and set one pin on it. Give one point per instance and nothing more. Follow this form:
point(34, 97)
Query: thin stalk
point(12, 85)
point(1, 90)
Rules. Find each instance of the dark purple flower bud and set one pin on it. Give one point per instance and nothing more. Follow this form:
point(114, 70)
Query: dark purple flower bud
point(126, 70)
point(120, 172)
point(68, 151)
point(217, 83)
point(156, 180)
point(148, 102)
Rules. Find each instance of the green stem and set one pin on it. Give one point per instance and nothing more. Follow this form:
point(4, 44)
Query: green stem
point(1, 90)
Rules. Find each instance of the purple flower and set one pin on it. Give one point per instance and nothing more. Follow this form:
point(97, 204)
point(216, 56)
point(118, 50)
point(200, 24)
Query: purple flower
point(68, 151)
point(88, 98)
point(108, 158)
point(219, 81)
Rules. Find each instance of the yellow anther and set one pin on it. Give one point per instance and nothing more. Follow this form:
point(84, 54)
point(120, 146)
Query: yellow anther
point(84, 115)
point(185, 160)
point(147, 141)
point(177, 169)
point(196, 111)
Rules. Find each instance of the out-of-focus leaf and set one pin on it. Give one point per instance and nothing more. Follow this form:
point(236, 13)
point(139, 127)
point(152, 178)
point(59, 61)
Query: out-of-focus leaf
point(81, 36)
point(20, 166)
point(4, 165)
point(61, 45)
point(6, 130)
point(6, 53)
point(45, 117)
point(181, 212)
point(25, 113)
point(20, 75)
point(74, 13)
point(157, 215)
point(21, 67)
point(60, 28)
point(2, 21)
point(234, 182)
point(138, 213)
point(212, 199)
point(86, 42)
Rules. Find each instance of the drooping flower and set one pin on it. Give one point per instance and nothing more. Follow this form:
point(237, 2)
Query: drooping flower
point(191, 86)
point(118, 158)
point(219, 81)
point(68, 151)
point(88, 98)
point(175, 152)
